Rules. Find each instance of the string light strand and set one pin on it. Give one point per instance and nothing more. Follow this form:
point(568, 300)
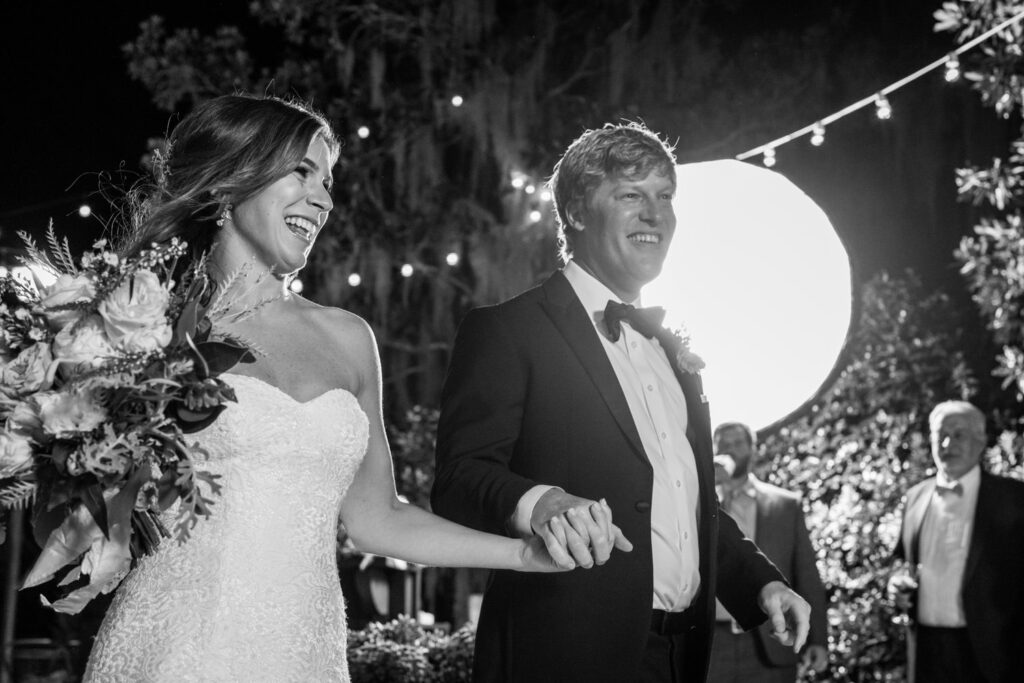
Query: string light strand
point(874, 97)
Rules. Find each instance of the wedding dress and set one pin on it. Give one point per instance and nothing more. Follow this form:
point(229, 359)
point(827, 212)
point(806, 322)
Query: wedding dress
point(254, 594)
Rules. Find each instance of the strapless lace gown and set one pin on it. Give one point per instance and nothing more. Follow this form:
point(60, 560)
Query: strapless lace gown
point(254, 595)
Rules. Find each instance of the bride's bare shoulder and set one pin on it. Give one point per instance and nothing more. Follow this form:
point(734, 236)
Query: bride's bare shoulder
point(343, 328)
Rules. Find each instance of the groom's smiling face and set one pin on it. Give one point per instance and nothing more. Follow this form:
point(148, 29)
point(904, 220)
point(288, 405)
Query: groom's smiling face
point(624, 230)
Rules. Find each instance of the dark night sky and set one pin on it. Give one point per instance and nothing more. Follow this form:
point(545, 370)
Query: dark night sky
point(71, 111)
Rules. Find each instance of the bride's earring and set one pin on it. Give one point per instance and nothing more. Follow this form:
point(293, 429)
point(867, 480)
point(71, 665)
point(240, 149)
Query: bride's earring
point(225, 216)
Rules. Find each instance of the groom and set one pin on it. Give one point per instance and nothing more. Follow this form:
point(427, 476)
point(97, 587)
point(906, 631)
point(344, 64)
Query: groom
point(561, 399)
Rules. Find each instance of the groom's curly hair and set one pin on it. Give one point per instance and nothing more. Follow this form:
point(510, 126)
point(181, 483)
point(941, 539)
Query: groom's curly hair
point(630, 150)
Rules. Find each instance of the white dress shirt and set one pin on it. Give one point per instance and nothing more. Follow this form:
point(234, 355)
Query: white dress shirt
point(658, 407)
point(944, 542)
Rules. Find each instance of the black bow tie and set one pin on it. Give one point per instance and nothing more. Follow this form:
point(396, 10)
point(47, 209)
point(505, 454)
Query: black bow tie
point(646, 321)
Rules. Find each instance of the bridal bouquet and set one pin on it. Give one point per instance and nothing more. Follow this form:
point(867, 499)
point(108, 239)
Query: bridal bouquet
point(104, 372)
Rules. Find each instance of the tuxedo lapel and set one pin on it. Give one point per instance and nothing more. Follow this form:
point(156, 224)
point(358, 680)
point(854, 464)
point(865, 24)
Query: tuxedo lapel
point(985, 509)
point(698, 417)
point(567, 314)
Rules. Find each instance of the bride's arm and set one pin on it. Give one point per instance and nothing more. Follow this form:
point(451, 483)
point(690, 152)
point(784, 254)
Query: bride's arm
point(378, 522)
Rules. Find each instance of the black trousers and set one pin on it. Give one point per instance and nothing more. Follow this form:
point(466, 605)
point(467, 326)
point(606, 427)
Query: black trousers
point(664, 659)
point(944, 655)
point(671, 655)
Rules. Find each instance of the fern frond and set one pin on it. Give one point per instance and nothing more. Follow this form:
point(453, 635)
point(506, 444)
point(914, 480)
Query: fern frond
point(17, 493)
point(61, 251)
point(241, 340)
point(33, 253)
point(225, 299)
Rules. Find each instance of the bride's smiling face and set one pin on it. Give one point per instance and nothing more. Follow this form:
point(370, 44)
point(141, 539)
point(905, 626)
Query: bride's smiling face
point(279, 224)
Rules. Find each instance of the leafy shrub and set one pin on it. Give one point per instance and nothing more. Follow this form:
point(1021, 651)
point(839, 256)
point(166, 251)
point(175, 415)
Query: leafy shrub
point(402, 651)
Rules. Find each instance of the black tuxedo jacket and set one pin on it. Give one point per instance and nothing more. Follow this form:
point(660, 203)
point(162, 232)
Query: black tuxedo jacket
point(781, 534)
point(993, 584)
point(531, 398)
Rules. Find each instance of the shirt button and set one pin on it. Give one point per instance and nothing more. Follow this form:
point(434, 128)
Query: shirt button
point(633, 345)
point(650, 387)
point(679, 484)
point(686, 535)
point(664, 435)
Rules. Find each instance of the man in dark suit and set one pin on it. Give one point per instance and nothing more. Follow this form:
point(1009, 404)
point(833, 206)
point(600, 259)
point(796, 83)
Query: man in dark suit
point(774, 518)
point(556, 412)
point(963, 533)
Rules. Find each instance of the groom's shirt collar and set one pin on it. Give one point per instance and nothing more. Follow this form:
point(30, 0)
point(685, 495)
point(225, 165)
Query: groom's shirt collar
point(592, 293)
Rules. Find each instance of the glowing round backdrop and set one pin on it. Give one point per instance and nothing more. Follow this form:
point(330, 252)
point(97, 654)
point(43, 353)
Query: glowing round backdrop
point(758, 276)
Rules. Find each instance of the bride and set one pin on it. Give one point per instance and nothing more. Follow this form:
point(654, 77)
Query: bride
point(254, 593)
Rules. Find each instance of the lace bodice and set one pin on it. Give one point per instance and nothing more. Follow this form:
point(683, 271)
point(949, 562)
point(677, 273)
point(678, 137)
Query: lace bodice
point(254, 595)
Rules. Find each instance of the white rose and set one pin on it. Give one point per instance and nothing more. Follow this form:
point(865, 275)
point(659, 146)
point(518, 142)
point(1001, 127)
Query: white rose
point(83, 345)
point(70, 412)
point(148, 338)
point(15, 453)
point(135, 314)
point(66, 290)
point(24, 416)
point(29, 372)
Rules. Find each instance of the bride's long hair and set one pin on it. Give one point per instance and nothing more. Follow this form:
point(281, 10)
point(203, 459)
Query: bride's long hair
point(227, 150)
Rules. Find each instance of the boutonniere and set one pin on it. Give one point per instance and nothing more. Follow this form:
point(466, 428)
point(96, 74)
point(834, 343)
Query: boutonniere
point(686, 360)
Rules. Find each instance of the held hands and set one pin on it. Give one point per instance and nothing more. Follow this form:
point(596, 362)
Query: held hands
point(534, 557)
point(789, 613)
point(576, 531)
point(901, 589)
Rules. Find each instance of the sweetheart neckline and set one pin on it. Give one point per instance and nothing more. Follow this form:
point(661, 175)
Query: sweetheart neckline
point(284, 393)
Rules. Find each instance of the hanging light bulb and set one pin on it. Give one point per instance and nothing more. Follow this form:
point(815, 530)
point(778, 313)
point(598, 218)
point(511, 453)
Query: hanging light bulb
point(818, 135)
point(85, 211)
point(535, 216)
point(883, 110)
point(354, 280)
point(530, 189)
point(406, 270)
point(296, 286)
point(1004, 105)
point(545, 195)
point(363, 132)
point(769, 157)
point(452, 259)
point(952, 68)
point(518, 181)
point(457, 100)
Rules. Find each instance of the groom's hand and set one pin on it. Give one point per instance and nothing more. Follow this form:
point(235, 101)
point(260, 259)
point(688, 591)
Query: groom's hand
point(576, 531)
point(790, 614)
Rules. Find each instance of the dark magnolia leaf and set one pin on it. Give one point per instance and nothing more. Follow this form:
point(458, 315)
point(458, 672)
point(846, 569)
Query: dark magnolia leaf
point(92, 498)
point(188, 320)
point(191, 421)
point(46, 518)
point(59, 453)
point(227, 392)
point(119, 508)
point(203, 330)
point(221, 356)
